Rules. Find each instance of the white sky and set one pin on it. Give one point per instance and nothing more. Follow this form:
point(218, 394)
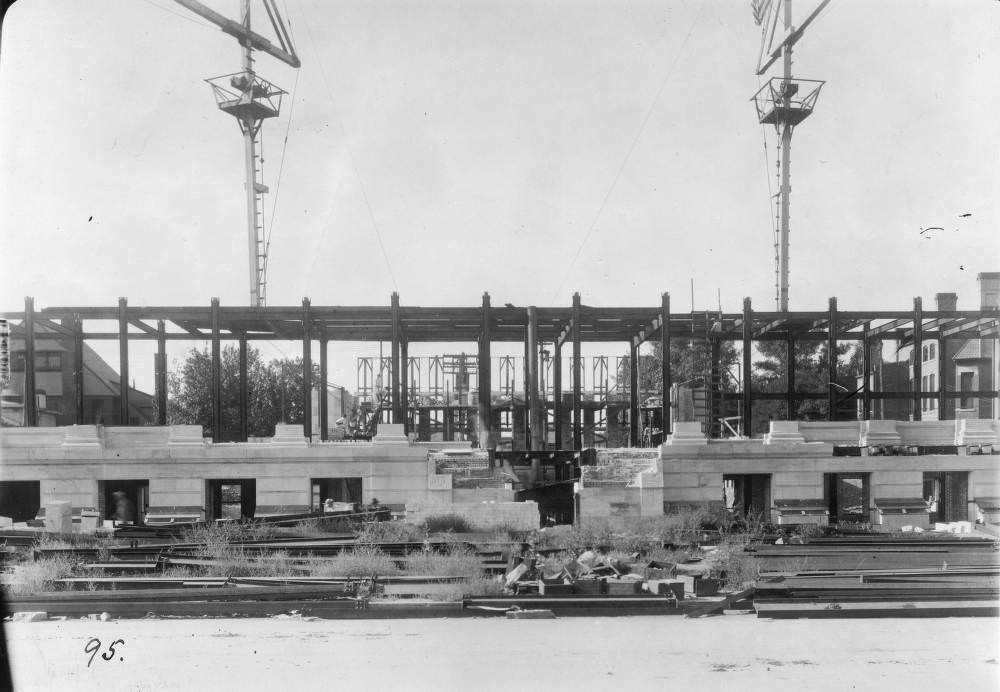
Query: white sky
point(490, 143)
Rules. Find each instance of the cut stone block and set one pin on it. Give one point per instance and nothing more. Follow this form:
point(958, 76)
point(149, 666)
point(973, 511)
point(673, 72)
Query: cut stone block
point(288, 435)
point(876, 433)
point(390, 433)
point(687, 434)
point(785, 431)
point(58, 517)
point(975, 431)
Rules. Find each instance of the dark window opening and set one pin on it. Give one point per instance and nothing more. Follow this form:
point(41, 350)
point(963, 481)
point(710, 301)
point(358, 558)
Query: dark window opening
point(965, 385)
point(747, 494)
point(848, 497)
point(125, 502)
point(947, 493)
point(339, 492)
point(20, 500)
point(231, 498)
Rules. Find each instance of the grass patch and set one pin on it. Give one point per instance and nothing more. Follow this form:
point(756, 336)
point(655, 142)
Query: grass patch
point(440, 523)
point(38, 576)
point(363, 561)
point(457, 562)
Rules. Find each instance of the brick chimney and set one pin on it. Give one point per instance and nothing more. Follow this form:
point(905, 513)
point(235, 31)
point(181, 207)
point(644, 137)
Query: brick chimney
point(946, 302)
point(989, 289)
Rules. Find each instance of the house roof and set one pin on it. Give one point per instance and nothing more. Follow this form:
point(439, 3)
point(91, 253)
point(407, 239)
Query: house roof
point(970, 350)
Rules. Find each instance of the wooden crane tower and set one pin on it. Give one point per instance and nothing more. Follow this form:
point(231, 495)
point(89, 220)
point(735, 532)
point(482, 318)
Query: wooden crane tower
point(251, 99)
point(783, 102)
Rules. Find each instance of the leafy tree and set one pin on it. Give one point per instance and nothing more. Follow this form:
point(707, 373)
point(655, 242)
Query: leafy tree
point(811, 375)
point(690, 364)
point(274, 391)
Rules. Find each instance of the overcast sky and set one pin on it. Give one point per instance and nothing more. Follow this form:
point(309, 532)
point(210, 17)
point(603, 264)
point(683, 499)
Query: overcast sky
point(529, 149)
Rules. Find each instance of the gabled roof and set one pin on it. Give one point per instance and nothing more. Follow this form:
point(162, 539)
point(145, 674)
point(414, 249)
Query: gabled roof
point(971, 350)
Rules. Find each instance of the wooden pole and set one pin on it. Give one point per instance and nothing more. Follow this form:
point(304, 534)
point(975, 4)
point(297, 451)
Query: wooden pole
point(123, 399)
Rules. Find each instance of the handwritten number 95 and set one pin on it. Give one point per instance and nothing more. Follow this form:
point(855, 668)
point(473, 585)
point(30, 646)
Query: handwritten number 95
point(94, 645)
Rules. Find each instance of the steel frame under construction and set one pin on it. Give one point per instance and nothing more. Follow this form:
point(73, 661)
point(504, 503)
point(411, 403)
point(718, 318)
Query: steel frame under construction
point(562, 327)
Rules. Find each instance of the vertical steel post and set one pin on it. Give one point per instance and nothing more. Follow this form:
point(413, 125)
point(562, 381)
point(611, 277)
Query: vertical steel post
point(123, 417)
point(577, 375)
point(918, 342)
point(244, 387)
point(786, 163)
point(790, 399)
point(161, 372)
point(665, 369)
point(249, 126)
point(535, 427)
point(216, 375)
point(78, 369)
point(307, 388)
point(30, 402)
point(484, 411)
point(866, 366)
point(747, 394)
point(397, 410)
point(324, 404)
point(404, 382)
point(943, 381)
point(557, 392)
point(633, 394)
point(831, 362)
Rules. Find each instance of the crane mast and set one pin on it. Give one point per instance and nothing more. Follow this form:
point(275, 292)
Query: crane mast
point(251, 100)
point(783, 102)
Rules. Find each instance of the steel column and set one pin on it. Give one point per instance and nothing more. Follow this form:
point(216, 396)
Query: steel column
point(633, 394)
point(918, 342)
point(161, 372)
point(665, 370)
point(866, 366)
point(557, 392)
point(216, 375)
point(747, 395)
point(78, 369)
point(791, 412)
point(942, 384)
point(30, 402)
point(307, 388)
point(123, 402)
point(404, 383)
point(324, 404)
point(244, 387)
point(577, 375)
point(831, 362)
point(397, 411)
point(484, 412)
point(535, 427)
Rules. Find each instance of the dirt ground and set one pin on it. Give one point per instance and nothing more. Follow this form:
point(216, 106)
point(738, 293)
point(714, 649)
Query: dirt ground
point(640, 653)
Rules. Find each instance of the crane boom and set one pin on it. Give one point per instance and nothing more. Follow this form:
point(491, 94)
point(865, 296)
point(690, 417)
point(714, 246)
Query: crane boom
point(241, 33)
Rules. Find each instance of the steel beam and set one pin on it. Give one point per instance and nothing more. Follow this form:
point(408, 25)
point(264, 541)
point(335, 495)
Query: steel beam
point(324, 404)
point(216, 375)
point(484, 413)
point(918, 341)
point(78, 370)
point(307, 369)
point(831, 363)
point(866, 366)
point(397, 410)
point(536, 427)
point(161, 373)
point(577, 375)
point(123, 399)
point(633, 398)
point(30, 402)
point(665, 370)
point(747, 395)
point(244, 386)
point(557, 393)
